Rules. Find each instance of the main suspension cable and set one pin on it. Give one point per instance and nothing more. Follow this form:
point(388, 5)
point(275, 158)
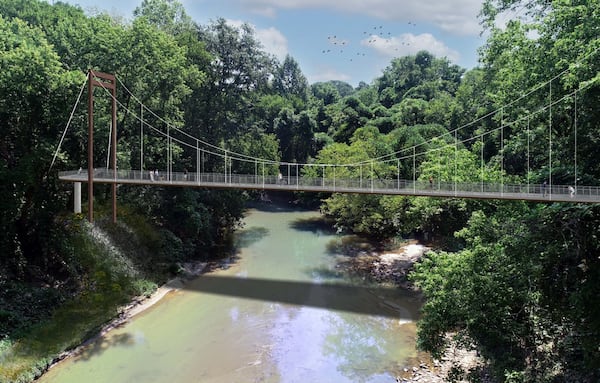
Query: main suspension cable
point(68, 124)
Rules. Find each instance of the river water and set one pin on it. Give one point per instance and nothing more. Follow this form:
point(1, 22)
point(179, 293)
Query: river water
point(280, 312)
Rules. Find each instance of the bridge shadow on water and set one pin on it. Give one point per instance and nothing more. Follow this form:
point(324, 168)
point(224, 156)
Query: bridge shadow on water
point(359, 297)
point(366, 300)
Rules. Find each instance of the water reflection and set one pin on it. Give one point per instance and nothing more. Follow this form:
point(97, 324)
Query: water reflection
point(310, 344)
point(365, 348)
point(283, 312)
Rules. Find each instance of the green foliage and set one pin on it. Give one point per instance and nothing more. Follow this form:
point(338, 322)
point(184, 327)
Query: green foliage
point(352, 115)
point(370, 215)
point(22, 304)
point(522, 286)
point(325, 91)
point(344, 89)
point(453, 163)
point(167, 15)
point(295, 134)
point(421, 76)
point(32, 92)
point(289, 80)
point(518, 294)
point(109, 267)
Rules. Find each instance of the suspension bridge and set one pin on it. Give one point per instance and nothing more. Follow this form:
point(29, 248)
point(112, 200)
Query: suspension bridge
point(532, 192)
point(219, 168)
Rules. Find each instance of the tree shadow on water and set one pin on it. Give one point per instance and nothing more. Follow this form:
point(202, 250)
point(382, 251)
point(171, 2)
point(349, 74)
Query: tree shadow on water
point(351, 245)
point(249, 236)
point(278, 205)
point(316, 225)
point(101, 344)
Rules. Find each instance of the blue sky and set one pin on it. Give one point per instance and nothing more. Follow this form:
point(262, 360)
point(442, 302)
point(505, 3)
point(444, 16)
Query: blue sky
point(347, 40)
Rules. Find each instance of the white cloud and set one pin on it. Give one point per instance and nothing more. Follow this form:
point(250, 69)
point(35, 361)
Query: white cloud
point(458, 17)
point(265, 11)
point(408, 44)
point(519, 13)
point(272, 40)
point(327, 74)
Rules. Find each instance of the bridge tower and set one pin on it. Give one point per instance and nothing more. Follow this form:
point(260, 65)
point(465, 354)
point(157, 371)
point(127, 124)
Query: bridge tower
point(108, 82)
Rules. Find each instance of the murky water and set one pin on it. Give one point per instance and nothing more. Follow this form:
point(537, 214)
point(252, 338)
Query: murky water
point(281, 313)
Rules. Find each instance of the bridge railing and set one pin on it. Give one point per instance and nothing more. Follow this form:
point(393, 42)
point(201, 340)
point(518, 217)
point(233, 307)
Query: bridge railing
point(328, 184)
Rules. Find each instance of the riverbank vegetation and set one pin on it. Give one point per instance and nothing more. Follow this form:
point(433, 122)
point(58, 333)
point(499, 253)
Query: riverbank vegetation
point(516, 281)
point(41, 321)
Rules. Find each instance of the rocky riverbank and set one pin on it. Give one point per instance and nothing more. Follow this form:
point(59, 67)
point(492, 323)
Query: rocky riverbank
point(393, 267)
point(456, 365)
point(386, 266)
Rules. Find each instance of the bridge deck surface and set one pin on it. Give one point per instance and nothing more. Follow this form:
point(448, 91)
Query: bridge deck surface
point(475, 190)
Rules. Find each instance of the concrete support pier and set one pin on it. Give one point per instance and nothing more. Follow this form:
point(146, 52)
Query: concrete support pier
point(77, 197)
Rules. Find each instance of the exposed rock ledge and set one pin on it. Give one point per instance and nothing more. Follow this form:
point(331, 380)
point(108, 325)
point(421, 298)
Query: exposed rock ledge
point(455, 366)
point(387, 267)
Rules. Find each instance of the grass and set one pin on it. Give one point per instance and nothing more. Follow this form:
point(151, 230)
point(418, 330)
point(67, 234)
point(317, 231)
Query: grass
point(25, 359)
point(113, 273)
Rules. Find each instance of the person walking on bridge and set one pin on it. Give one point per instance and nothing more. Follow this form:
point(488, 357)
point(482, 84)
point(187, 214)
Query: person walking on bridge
point(544, 187)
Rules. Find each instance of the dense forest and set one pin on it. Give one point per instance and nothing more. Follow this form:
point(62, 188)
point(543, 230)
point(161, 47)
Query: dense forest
point(517, 281)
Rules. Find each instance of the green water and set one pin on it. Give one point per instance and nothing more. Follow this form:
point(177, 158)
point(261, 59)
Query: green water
point(280, 313)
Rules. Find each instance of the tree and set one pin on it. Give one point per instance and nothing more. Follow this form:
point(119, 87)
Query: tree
point(290, 82)
point(167, 15)
point(304, 138)
point(446, 165)
point(478, 292)
point(412, 111)
point(421, 76)
point(521, 297)
point(238, 75)
point(554, 39)
point(343, 88)
point(353, 115)
point(325, 91)
point(154, 54)
point(34, 87)
point(284, 128)
point(371, 215)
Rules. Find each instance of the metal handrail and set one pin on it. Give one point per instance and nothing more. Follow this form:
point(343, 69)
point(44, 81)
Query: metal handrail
point(320, 184)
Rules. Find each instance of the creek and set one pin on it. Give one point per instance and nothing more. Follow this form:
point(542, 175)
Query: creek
point(281, 311)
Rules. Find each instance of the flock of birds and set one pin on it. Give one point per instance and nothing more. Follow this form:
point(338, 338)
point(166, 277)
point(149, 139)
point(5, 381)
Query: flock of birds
point(337, 45)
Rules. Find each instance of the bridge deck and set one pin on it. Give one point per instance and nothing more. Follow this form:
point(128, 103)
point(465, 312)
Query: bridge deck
point(476, 190)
